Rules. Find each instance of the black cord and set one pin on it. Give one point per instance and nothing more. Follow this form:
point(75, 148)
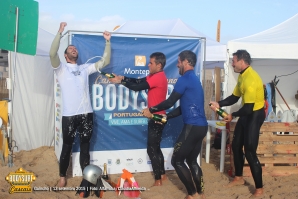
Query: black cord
point(287, 74)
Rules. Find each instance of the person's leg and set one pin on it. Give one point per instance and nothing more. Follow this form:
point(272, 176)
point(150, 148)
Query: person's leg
point(68, 132)
point(85, 131)
point(191, 160)
point(251, 142)
point(184, 145)
point(154, 152)
point(237, 147)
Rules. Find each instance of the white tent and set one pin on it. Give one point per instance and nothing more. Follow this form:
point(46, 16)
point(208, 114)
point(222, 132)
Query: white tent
point(33, 96)
point(274, 53)
point(215, 52)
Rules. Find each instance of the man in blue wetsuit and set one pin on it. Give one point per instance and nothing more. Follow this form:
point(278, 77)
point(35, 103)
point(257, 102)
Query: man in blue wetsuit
point(189, 91)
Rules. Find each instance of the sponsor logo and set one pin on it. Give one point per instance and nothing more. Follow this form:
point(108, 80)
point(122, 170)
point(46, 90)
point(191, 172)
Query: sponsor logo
point(136, 72)
point(140, 160)
point(140, 60)
point(129, 163)
point(20, 181)
point(109, 161)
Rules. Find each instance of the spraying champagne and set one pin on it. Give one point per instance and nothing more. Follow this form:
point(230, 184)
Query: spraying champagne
point(159, 118)
point(107, 74)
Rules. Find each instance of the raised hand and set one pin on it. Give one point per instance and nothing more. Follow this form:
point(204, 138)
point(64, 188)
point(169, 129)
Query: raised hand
point(62, 26)
point(107, 35)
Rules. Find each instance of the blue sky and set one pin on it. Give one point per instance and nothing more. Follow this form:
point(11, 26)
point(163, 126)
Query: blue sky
point(238, 18)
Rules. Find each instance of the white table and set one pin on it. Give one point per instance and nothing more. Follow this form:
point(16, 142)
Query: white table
point(212, 123)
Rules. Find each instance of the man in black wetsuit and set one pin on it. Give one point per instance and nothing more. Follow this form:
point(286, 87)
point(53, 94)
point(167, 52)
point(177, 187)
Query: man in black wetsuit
point(251, 117)
point(157, 85)
point(189, 91)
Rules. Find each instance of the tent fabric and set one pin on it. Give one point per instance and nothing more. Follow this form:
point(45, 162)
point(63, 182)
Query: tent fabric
point(33, 96)
point(278, 42)
point(44, 41)
point(273, 53)
point(216, 53)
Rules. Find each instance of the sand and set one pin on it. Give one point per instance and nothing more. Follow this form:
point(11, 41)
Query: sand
point(43, 163)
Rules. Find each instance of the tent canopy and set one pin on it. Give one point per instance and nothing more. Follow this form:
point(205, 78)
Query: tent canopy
point(44, 41)
point(273, 53)
point(215, 52)
point(278, 42)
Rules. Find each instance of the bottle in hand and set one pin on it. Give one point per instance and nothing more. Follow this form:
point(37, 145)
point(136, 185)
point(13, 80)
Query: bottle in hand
point(107, 74)
point(159, 118)
point(105, 172)
point(220, 112)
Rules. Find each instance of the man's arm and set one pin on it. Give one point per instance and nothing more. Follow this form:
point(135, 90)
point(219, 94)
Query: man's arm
point(168, 103)
point(55, 61)
point(246, 109)
point(106, 58)
point(232, 99)
point(176, 112)
point(131, 83)
point(138, 85)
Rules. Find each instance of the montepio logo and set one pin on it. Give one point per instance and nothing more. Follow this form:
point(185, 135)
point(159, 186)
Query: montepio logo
point(140, 60)
point(20, 181)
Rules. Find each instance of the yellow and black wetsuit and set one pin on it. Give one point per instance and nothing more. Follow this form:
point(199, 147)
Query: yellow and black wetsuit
point(252, 115)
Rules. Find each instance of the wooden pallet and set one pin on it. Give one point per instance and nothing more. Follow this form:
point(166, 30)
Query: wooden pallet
point(277, 153)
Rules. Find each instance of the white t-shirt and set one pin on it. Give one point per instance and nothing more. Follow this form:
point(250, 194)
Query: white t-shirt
point(74, 83)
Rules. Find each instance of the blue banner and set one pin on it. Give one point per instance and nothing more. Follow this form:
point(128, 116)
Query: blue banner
point(118, 123)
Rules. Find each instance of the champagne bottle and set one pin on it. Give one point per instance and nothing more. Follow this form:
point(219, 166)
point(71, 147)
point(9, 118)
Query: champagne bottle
point(105, 172)
point(107, 74)
point(159, 118)
point(220, 111)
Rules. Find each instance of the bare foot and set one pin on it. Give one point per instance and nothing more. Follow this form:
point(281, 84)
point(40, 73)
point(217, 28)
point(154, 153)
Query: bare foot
point(157, 183)
point(196, 195)
point(258, 193)
point(236, 182)
point(62, 182)
point(164, 177)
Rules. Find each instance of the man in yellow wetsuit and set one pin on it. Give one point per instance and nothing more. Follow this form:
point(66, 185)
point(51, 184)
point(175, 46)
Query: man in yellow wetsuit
point(251, 117)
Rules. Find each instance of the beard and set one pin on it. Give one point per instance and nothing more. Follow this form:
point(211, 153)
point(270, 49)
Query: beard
point(73, 57)
point(181, 71)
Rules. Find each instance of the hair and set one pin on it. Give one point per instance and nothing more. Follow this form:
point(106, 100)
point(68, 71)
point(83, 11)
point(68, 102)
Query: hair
point(189, 56)
point(160, 58)
point(65, 52)
point(244, 55)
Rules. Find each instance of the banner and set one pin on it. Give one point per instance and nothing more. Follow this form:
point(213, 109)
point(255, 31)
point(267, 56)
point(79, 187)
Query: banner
point(120, 131)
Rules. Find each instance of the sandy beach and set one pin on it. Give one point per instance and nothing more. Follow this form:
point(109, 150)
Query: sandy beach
point(43, 163)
